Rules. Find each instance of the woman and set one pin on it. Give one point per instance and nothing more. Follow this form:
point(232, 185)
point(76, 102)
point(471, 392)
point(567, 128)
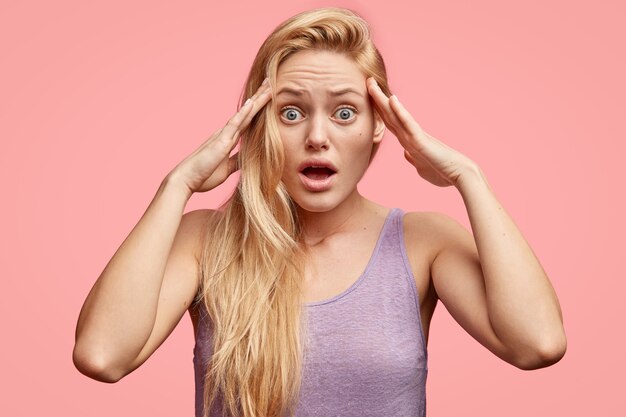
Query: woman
point(307, 298)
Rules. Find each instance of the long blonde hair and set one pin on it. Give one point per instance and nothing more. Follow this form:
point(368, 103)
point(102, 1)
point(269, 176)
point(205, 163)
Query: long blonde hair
point(253, 256)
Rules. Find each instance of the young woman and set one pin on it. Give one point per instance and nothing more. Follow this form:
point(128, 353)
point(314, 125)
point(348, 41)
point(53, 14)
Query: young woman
point(306, 297)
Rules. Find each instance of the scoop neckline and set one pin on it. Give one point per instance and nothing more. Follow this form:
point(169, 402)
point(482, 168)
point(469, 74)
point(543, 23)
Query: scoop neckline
point(365, 272)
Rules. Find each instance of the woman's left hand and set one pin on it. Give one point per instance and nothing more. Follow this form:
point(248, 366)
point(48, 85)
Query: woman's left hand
point(434, 161)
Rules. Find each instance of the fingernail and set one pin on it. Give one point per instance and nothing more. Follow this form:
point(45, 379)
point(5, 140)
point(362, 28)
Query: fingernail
point(376, 84)
point(248, 101)
point(265, 81)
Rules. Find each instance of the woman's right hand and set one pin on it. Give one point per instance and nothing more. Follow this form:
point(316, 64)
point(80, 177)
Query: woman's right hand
point(211, 164)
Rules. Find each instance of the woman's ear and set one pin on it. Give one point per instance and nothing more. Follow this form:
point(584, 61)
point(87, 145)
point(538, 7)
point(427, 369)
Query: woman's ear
point(379, 127)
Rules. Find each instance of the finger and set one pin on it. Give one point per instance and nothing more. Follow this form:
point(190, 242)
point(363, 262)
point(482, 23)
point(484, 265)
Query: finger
point(233, 163)
point(258, 103)
point(381, 101)
point(262, 88)
point(227, 133)
point(409, 157)
point(403, 115)
point(242, 118)
point(378, 96)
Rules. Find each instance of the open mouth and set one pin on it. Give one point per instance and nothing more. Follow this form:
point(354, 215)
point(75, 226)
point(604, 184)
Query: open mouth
point(318, 173)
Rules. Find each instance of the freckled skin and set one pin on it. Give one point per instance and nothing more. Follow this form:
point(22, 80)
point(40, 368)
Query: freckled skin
point(319, 129)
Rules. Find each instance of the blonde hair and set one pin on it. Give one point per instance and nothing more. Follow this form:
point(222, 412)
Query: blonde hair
point(253, 256)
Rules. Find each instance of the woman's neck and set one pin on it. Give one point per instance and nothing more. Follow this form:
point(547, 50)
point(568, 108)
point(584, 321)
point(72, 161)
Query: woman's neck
point(318, 226)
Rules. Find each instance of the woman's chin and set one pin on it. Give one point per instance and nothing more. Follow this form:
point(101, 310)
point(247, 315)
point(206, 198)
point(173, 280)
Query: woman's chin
point(320, 202)
point(318, 205)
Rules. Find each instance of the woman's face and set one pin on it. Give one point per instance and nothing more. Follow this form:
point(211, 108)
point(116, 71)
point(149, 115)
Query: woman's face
point(328, 127)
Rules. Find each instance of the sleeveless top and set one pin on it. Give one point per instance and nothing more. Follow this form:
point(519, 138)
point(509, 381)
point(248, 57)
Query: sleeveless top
point(365, 354)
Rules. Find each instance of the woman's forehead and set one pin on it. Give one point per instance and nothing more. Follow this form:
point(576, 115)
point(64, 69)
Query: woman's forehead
point(306, 71)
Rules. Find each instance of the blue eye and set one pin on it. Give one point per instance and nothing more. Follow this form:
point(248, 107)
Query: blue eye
point(290, 113)
point(345, 113)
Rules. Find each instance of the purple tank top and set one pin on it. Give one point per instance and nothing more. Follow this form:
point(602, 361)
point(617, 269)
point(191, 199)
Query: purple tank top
point(365, 354)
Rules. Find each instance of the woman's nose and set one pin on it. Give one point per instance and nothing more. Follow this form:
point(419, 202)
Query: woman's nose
point(317, 134)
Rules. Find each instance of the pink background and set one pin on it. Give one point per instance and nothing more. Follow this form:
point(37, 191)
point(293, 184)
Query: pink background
point(99, 102)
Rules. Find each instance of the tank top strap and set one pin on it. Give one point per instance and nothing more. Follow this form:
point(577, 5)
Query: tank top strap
point(389, 274)
point(391, 248)
point(392, 280)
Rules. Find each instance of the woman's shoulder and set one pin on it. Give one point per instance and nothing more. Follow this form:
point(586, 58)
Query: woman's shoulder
point(427, 219)
point(198, 222)
point(432, 228)
point(199, 219)
point(200, 215)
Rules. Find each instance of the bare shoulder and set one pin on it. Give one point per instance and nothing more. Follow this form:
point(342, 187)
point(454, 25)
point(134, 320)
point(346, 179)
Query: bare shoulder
point(426, 233)
point(193, 229)
point(430, 234)
point(193, 226)
point(433, 230)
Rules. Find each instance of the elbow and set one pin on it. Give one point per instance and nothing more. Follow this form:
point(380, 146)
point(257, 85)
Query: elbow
point(545, 354)
point(93, 367)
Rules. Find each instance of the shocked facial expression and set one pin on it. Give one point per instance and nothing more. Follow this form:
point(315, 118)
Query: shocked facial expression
point(328, 127)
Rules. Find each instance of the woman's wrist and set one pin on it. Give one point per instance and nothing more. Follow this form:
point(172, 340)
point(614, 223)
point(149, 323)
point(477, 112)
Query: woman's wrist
point(173, 184)
point(471, 176)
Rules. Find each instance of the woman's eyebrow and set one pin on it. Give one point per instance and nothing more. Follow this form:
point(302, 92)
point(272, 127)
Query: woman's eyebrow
point(287, 90)
point(345, 91)
point(299, 93)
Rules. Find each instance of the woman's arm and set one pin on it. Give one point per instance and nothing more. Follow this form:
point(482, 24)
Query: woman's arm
point(493, 284)
point(153, 277)
point(143, 291)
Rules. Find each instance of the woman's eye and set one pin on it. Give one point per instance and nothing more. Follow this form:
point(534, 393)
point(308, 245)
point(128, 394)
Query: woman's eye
point(290, 113)
point(344, 113)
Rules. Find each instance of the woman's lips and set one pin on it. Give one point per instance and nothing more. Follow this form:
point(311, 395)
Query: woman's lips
point(317, 181)
point(317, 174)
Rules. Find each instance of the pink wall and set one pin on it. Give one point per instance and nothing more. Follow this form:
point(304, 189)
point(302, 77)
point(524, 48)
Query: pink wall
point(99, 102)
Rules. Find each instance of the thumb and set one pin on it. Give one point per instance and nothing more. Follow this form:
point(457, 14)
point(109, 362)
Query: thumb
point(409, 157)
point(233, 163)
